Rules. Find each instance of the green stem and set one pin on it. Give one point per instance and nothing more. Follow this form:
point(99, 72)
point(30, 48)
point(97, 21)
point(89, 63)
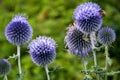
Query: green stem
point(93, 38)
point(84, 65)
point(106, 64)
point(47, 72)
point(95, 59)
point(5, 77)
point(19, 63)
point(113, 73)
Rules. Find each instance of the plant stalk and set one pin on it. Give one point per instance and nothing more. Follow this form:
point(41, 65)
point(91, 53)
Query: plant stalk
point(95, 59)
point(5, 77)
point(84, 65)
point(93, 38)
point(19, 63)
point(47, 72)
point(106, 64)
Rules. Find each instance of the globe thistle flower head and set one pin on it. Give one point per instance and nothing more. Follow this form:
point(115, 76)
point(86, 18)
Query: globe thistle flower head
point(76, 42)
point(5, 67)
point(18, 31)
point(88, 17)
point(42, 50)
point(106, 36)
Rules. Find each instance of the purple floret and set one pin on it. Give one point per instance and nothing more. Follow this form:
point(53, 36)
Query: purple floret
point(106, 36)
point(42, 50)
point(88, 17)
point(18, 31)
point(5, 67)
point(76, 42)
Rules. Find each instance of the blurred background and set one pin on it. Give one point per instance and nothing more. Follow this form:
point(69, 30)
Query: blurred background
point(51, 18)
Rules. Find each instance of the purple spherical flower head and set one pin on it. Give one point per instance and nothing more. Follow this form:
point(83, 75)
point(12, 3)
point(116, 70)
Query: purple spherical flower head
point(42, 50)
point(76, 42)
point(18, 31)
point(5, 67)
point(106, 35)
point(88, 17)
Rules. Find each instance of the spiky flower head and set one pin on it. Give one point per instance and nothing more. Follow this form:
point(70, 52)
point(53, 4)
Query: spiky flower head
point(5, 67)
point(18, 31)
point(77, 42)
point(106, 36)
point(42, 50)
point(88, 17)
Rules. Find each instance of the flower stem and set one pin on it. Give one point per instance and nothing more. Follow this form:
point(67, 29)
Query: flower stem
point(93, 38)
point(84, 65)
point(106, 64)
point(95, 63)
point(5, 77)
point(95, 60)
point(19, 63)
point(47, 72)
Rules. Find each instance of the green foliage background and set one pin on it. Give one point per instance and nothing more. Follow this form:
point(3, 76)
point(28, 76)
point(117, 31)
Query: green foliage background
point(51, 18)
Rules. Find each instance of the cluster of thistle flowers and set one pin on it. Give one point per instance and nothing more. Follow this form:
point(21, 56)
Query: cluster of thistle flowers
point(81, 37)
point(42, 49)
